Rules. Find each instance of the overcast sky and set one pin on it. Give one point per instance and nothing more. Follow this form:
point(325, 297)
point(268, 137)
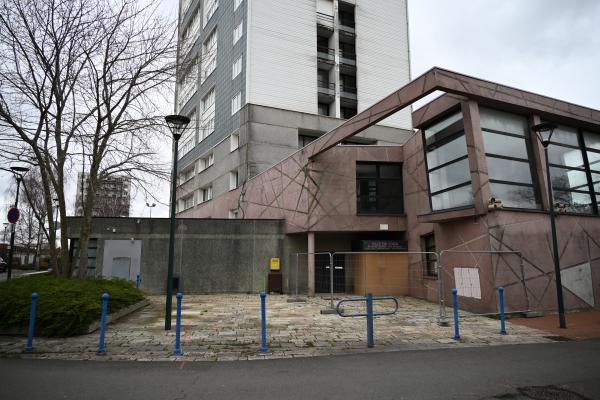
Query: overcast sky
point(550, 47)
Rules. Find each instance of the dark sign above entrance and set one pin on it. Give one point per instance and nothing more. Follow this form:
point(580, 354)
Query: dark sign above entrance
point(380, 245)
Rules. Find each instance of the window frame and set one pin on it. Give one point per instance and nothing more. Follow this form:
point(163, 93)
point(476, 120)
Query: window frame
point(427, 258)
point(378, 178)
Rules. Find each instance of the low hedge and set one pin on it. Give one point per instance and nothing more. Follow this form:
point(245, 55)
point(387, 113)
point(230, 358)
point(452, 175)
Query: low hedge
point(66, 307)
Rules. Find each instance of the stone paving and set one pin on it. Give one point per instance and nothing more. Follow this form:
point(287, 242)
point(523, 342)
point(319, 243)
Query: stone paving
point(227, 327)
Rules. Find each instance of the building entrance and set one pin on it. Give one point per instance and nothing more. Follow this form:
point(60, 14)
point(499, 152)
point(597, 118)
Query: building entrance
point(323, 274)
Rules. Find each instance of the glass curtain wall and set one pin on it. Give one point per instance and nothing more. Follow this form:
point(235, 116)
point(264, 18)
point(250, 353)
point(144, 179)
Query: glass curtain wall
point(574, 158)
point(507, 148)
point(448, 164)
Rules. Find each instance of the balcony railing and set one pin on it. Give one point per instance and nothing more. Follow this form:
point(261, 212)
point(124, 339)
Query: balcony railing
point(347, 22)
point(347, 89)
point(325, 20)
point(326, 85)
point(348, 54)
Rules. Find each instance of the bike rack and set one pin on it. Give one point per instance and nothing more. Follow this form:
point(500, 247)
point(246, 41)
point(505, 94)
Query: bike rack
point(369, 314)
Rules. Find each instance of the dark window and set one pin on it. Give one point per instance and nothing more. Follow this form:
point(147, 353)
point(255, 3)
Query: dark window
point(379, 188)
point(574, 157)
point(323, 109)
point(506, 142)
point(91, 253)
point(429, 260)
point(447, 164)
point(348, 112)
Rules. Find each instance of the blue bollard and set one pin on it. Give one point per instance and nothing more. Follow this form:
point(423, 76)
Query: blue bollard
point(178, 351)
point(263, 314)
point(103, 323)
point(138, 280)
point(501, 298)
point(370, 340)
point(34, 297)
point(455, 301)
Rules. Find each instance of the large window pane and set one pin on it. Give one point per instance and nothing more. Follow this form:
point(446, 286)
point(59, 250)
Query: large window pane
point(565, 135)
point(594, 160)
point(459, 197)
point(504, 145)
point(451, 175)
point(432, 130)
point(568, 179)
point(596, 183)
point(514, 196)
point(366, 170)
point(508, 170)
point(575, 201)
point(502, 121)
point(592, 140)
point(566, 156)
point(447, 152)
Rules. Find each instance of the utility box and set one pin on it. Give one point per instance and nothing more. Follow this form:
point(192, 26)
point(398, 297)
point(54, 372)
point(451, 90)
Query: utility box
point(275, 264)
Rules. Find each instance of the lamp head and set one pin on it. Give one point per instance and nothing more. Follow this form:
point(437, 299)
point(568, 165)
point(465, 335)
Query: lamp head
point(19, 170)
point(544, 132)
point(176, 123)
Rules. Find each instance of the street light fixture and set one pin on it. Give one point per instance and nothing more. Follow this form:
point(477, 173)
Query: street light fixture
point(544, 133)
point(150, 206)
point(18, 172)
point(176, 124)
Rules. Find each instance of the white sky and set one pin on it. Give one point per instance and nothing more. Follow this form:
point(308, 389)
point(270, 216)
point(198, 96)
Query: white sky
point(550, 47)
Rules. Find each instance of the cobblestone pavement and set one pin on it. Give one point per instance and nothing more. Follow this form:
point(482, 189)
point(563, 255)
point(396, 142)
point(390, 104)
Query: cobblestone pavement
point(227, 327)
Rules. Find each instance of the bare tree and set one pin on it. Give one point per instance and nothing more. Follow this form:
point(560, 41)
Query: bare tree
point(78, 83)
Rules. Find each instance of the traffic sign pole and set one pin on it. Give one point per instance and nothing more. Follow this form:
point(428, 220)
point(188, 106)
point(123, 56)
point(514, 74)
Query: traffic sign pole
point(12, 233)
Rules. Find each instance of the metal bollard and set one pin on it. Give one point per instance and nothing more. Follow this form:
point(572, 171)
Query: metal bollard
point(103, 323)
point(263, 314)
point(138, 280)
point(502, 322)
point(455, 301)
point(178, 351)
point(370, 340)
point(34, 297)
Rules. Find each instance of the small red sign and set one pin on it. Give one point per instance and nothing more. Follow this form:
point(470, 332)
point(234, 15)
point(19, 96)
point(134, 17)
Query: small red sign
point(13, 215)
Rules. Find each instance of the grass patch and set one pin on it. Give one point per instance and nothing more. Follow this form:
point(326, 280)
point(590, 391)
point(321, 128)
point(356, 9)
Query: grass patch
point(66, 307)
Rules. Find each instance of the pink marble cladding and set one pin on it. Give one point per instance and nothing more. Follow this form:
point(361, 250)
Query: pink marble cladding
point(310, 195)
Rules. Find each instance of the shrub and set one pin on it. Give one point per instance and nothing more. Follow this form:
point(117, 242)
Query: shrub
point(66, 307)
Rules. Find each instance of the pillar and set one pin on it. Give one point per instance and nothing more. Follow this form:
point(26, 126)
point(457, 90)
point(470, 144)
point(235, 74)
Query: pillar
point(311, 263)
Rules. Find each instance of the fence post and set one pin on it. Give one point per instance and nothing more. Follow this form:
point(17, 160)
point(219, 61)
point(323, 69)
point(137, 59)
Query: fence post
point(501, 298)
point(138, 280)
point(331, 280)
point(370, 340)
point(103, 323)
point(34, 297)
point(263, 315)
point(177, 351)
point(443, 319)
point(455, 302)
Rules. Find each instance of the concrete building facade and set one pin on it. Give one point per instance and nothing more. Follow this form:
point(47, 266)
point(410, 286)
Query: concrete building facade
point(261, 78)
point(112, 197)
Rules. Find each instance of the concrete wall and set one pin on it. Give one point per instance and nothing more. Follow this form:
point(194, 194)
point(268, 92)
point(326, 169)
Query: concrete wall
point(210, 255)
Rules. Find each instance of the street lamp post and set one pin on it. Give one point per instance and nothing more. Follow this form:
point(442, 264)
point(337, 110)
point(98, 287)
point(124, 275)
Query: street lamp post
point(544, 132)
point(56, 219)
point(176, 123)
point(18, 172)
point(150, 206)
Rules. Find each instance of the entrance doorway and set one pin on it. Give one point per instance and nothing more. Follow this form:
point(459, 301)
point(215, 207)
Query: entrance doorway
point(323, 277)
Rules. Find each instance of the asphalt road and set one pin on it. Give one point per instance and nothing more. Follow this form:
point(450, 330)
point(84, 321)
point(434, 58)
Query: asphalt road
point(507, 372)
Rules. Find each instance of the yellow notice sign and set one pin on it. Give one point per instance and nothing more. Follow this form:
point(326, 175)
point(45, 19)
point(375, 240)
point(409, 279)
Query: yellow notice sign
point(274, 264)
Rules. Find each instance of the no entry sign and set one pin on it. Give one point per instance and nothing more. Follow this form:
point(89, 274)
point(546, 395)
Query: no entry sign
point(13, 215)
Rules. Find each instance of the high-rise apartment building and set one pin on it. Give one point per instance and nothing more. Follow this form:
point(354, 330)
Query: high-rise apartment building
point(112, 197)
point(260, 79)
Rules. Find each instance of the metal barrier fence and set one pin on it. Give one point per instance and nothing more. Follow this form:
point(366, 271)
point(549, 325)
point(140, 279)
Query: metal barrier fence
point(477, 275)
point(383, 273)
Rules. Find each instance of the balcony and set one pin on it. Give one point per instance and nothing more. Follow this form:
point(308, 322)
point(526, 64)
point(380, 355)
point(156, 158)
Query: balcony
point(326, 91)
point(325, 57)
point(348, 92)
point(324, 24)
point(347, 57)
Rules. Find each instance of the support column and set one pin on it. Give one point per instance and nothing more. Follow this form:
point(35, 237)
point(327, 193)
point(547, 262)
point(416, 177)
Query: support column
point(337, 112)
point(311, 264)
point(540, 164)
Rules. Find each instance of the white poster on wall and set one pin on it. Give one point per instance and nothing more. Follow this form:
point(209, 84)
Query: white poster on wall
point(467, 282)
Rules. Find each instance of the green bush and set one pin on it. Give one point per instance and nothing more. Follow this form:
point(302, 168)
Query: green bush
point(66, 307)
